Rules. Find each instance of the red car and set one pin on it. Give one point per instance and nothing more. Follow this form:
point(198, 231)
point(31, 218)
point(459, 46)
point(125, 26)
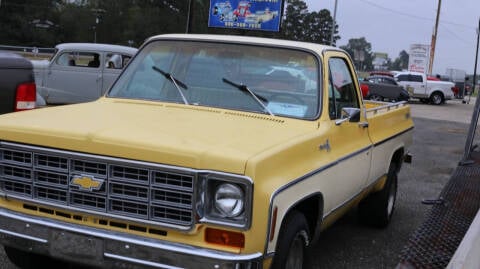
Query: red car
point(243, 9)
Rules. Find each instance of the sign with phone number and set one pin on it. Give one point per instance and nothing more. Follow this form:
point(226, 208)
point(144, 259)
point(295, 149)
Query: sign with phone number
point(246, 14)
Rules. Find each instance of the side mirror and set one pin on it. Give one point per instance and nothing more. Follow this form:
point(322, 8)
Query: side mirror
point(350, 114)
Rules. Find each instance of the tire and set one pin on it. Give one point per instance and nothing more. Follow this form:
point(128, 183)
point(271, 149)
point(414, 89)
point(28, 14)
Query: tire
point(436, 98)
point(292, 243)
point(377, 209)
point(375, 97)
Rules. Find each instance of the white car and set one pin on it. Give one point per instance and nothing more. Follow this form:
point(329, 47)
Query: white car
point(261, 16)
point(80, 72)
point(435, 92)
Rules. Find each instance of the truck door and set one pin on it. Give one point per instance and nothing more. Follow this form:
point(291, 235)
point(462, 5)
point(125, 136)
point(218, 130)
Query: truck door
point(418, 84)
point(349, 142)
point(414, 84)
point(73, 77)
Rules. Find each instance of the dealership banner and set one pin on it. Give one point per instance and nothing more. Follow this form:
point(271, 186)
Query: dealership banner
point(418, 58)
point(246, 14)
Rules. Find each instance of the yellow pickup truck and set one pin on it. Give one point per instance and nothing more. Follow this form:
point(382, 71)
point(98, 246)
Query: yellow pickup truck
point(207, 152)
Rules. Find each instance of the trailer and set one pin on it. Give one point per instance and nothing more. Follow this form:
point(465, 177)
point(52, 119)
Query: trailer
point(450, 235)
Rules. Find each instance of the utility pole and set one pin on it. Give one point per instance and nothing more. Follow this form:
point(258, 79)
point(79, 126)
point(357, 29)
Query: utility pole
point(189, 18)
point(334, 23)
point(434, 38)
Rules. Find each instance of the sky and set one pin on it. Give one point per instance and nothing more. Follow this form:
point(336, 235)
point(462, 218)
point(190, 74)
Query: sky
point(391, 26)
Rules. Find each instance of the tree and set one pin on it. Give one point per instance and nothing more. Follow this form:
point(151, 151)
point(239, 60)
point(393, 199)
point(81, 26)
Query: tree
point(361, 52)
point(301, 25)
point(293, 25)
point(30, 23)
point(318, 27)
point(401, 62)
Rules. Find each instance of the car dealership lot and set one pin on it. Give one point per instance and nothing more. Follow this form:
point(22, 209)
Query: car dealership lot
point(439, 139)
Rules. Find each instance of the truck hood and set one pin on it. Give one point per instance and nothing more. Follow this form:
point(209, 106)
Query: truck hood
point(180, 135)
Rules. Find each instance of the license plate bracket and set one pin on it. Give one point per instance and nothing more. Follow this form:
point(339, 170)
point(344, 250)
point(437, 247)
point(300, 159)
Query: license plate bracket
point(79, 248)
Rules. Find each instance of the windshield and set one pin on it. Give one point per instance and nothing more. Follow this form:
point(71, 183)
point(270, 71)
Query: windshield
point(267, 80)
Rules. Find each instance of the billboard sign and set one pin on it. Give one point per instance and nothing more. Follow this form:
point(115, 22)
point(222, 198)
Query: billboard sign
point(418, 58)
point(246, 14)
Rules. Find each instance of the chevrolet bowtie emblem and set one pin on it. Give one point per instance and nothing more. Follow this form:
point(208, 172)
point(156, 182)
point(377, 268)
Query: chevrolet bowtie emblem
point(88, 183)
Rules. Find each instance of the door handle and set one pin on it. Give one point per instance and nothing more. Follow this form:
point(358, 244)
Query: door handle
point(363, 124)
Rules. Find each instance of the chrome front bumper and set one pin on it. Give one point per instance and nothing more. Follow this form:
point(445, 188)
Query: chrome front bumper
point(108, 249)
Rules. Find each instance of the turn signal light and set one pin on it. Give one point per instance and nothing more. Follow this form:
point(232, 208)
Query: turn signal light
point(26, 96)
point(225, 238)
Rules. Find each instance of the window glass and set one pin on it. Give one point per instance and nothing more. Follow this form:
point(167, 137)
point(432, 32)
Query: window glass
point(80, 59)
point(284, 82)
point(388, 81)
point(417, 78)
point(116, 61)
point(402, 78)
point(342, 91)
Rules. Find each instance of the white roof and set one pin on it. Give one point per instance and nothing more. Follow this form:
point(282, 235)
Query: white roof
point(97, 47)
point(408, 73)
point(247, 40)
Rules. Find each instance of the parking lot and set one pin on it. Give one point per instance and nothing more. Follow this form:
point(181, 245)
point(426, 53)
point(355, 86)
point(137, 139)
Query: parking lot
point(439, 139)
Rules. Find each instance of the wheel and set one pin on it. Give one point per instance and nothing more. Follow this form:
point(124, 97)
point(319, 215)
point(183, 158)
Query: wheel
point(375, 97)
point(26, 260)
point(292, 243)
point(436, 98)
point(377, 209)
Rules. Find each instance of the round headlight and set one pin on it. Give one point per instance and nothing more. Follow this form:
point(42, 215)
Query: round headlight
point(229, 199)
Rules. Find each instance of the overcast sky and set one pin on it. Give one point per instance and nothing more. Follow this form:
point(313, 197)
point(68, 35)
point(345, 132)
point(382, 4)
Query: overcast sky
point(392, 26)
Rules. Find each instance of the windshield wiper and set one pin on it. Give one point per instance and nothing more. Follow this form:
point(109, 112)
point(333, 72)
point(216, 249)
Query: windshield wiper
point(175, 82)
point(244, 88)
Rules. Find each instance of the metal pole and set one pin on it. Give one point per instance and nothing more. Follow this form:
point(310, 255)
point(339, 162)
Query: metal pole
point(334, 23)
point(476, 110)
point(187, 29)
point(434, 38)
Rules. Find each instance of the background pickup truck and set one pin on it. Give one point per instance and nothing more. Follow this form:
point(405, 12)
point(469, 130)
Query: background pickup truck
point(80, 72)
point(17, 85)
point(196, 158)
point(435, 92)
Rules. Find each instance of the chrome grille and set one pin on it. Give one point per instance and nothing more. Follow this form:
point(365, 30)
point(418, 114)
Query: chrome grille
point(158, 194)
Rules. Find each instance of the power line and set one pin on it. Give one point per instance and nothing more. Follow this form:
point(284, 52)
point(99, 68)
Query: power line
point(459, 38)
point(413, 16)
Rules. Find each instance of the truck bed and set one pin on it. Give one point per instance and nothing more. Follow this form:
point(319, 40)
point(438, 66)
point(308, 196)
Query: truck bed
point(387, 119)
